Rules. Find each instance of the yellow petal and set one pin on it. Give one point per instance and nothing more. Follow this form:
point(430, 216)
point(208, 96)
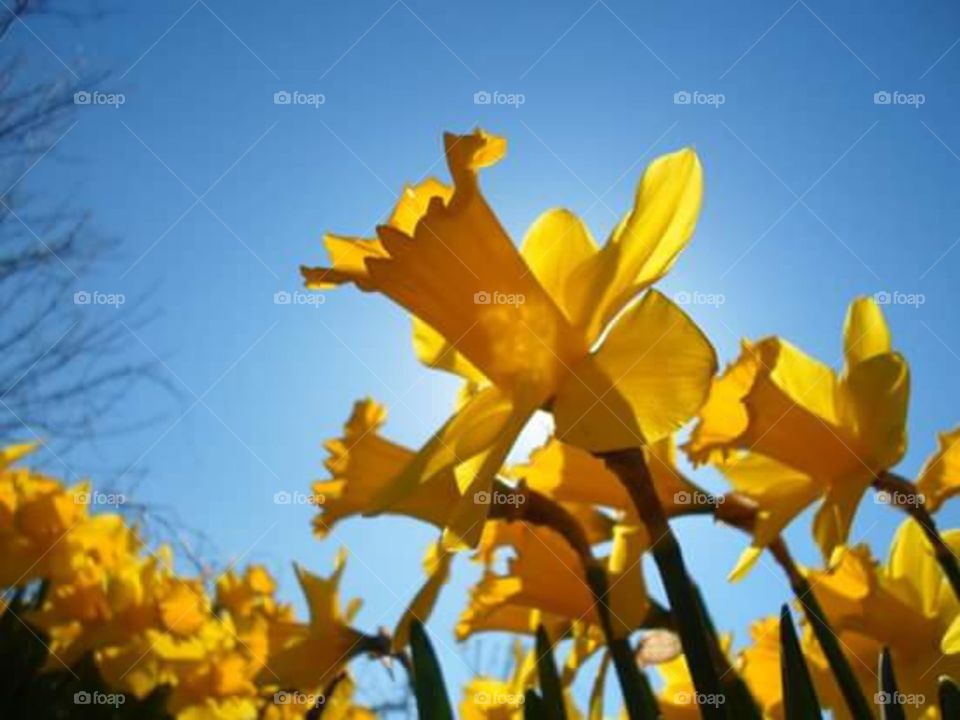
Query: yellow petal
point(474, 478)
point(473, 429)
point(363, 464)
point(414, 201)
point(12, 453)
point(781, 492)
point(651, 375)
point(780, 402)
point(951, 641)
point(646, 242)
point(569, 474)
point(437, 567)
point(865, 332)
point(748, 558)
point(557, 244)
point(913, 563)
point(348, 255)
point(433, 350)
point(831, 524)
point(876, 393)
point(940, 477)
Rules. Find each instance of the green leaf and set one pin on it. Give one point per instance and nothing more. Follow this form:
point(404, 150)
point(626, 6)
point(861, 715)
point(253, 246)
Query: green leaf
point(738, 698)
point(638, 698)
point(889, 695)
point(429, 688)
point(799, 698)
point(949, 698)
point(533, 708)
point(859, 708)
point(549, 678)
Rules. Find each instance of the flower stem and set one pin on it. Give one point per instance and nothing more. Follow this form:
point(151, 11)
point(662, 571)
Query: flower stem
point(904, 495)
point(631, 468)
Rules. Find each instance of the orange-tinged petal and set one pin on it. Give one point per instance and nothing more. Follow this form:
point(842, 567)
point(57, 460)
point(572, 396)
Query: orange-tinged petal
point(474, 429)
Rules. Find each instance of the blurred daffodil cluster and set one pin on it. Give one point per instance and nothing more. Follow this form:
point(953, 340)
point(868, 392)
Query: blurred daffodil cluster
point(87, 589)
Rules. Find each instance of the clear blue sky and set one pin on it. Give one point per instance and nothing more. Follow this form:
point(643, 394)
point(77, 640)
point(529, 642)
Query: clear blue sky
point(814, 194)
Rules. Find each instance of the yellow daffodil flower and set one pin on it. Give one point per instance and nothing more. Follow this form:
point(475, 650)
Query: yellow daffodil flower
point(523, 326)
point(906, 605)
point(363, 464)
point(547, 575)
point(759, 664)
point(489, 698)
point(940, 477)
point(312, 654)
point(569, 474)
point(806, 432)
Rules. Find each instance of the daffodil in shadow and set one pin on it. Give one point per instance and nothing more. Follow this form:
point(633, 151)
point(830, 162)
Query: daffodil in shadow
point(545, 574)
point(569, 474)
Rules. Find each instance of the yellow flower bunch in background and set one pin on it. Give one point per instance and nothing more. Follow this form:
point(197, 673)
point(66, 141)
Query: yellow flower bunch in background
point(146, 628)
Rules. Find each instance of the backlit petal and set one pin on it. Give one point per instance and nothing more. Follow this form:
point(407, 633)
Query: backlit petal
point(649, 377)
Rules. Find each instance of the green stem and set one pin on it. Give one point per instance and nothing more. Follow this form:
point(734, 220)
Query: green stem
point(631, 468)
